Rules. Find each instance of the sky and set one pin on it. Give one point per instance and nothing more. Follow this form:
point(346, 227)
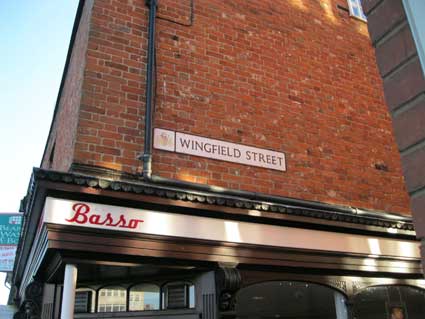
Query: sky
point(34, 39)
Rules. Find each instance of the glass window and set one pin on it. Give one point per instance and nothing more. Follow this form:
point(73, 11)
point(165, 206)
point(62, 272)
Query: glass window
point(177, 295)
point(290, 299)
point(356, 9)
point(111, 299)
point(144, 297)
point(395, 302)
point(85, 300)
point(192, 296)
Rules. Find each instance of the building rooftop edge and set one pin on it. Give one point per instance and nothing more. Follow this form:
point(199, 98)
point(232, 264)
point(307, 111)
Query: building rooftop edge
point(209, 195)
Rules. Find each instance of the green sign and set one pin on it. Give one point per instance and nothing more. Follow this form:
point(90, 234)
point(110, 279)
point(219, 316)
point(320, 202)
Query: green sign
point(10, 228)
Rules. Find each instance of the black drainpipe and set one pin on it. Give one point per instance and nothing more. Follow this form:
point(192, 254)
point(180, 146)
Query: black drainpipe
point(147, 154)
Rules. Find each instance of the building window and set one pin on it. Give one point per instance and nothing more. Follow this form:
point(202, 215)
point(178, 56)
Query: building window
point(85, 300)
point(382, 302)
point(290, 299)
point(356, 9)
point(112, 299)
point(138, 297)
point(177, 295)
point(144, 297)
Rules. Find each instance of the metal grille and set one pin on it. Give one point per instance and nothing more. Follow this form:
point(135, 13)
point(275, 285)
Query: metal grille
point(176, 296)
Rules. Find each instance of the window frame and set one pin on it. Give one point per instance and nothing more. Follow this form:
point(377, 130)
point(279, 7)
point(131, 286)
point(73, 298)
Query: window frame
point(294, 284)
point(93, 301)
point(106, 291)
point(388, 304)
point(144, 283)
point(187, 284)
point(108, 287)
point(358, 4)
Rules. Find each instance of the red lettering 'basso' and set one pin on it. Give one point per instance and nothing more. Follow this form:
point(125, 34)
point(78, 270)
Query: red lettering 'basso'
point(82, 216)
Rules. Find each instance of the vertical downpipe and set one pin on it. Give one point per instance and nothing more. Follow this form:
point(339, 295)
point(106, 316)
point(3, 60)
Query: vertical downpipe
point(147, 154)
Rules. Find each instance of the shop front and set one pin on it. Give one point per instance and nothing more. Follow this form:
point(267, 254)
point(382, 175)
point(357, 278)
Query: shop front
point(99, 248)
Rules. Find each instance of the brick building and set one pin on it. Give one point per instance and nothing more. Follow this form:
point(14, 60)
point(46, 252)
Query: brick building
point(219, 159)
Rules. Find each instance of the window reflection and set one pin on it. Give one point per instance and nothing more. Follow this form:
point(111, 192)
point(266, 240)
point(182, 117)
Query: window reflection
point(177, 295)
point(290, 299)
point(144, 297)
point(192, 296)
point(395, 302)
point(112, 299)
point(85, 300)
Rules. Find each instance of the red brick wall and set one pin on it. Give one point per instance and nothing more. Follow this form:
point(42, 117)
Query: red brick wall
point(292, 76)
point(60, 145)
point(110, 132)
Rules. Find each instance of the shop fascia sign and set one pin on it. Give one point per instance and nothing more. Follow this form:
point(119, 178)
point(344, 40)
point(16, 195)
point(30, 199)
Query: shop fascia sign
point(10, 229)
point(116, 218)
point(183, 143)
